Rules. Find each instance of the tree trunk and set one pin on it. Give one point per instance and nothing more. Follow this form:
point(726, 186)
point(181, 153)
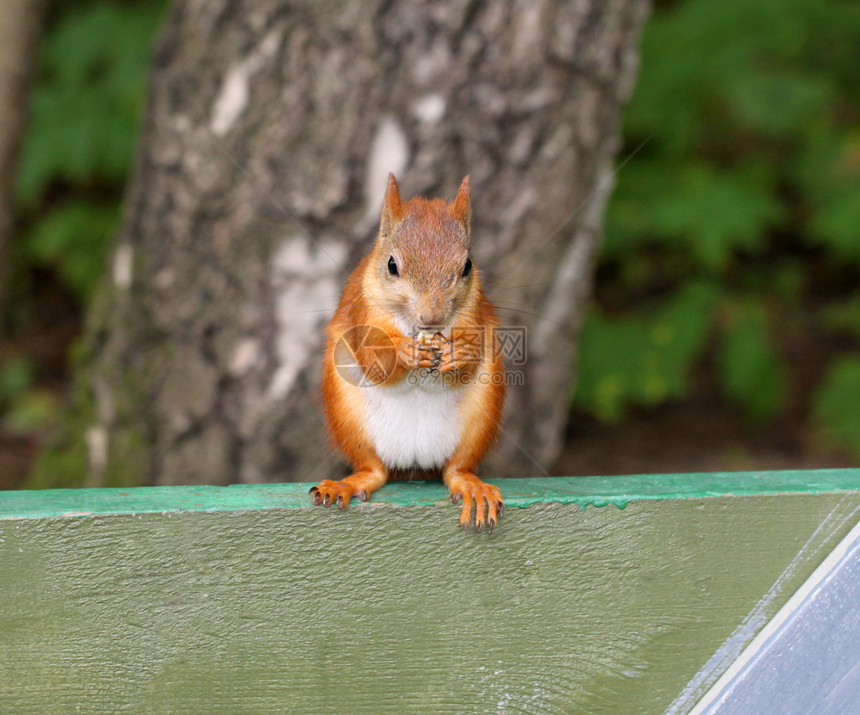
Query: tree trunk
point(270, 130)
point(20, 27)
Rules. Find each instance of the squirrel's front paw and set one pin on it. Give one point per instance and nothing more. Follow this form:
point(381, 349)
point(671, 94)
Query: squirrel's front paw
point(485, 498)
point(414, 354)
point(459, 357)
point(329, 492)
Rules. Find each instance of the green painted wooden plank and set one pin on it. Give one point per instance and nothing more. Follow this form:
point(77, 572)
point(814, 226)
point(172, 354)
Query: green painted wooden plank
point(394, 609)
point(581, 491)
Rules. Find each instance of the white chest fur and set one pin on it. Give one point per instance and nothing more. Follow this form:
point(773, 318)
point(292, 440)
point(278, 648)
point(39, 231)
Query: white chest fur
point(414, 425)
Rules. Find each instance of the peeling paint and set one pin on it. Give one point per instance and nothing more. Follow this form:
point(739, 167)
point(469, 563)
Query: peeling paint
point(123, 263)
point(233, 98)
point(430, 108)
point(389, 153)
point(97, 448)
point(248, 354)
point(307, 284)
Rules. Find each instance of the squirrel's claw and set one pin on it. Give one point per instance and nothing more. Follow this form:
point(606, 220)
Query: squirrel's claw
point(329, 492)
point(457, 356)
point(485, 498)
point(414, 355)
point(316, 497)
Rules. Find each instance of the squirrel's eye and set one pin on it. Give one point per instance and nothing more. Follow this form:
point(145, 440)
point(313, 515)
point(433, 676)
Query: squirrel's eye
point(467, 269)
point(392, 266)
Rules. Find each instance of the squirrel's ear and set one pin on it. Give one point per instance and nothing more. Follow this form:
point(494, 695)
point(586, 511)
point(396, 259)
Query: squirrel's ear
point(462, 206)
point(392, 208)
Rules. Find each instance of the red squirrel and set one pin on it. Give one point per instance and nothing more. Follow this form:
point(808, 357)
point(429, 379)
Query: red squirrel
point(412, 380)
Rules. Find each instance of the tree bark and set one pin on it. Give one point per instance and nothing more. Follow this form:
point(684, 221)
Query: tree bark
point(269, 133)
point(20, 28)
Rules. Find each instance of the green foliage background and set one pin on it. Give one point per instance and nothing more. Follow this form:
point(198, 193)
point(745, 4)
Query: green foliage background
point(78, 152)
point(83, 126)
point(738, 216)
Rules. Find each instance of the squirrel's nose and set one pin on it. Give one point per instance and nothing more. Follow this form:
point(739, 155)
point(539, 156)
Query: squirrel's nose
point(431, 318)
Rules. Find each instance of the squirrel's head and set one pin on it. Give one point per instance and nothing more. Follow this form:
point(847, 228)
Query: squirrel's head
point(421, 258)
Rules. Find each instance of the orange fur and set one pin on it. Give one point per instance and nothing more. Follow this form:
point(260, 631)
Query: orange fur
point(428, 240)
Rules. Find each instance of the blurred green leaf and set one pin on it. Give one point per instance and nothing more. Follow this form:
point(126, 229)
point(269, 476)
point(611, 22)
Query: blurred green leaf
point(643, 359)
point(837, 404)
point(697, 56)
point(33, 411)
point(753, 112)
point(16, 376)
point(88, 96)
point(718, 213)
point(777, 103)
point(751, 371)
point(73, 239)
point(843, 316)
point(837, 223)
point(828, 170)
point(710, 214)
